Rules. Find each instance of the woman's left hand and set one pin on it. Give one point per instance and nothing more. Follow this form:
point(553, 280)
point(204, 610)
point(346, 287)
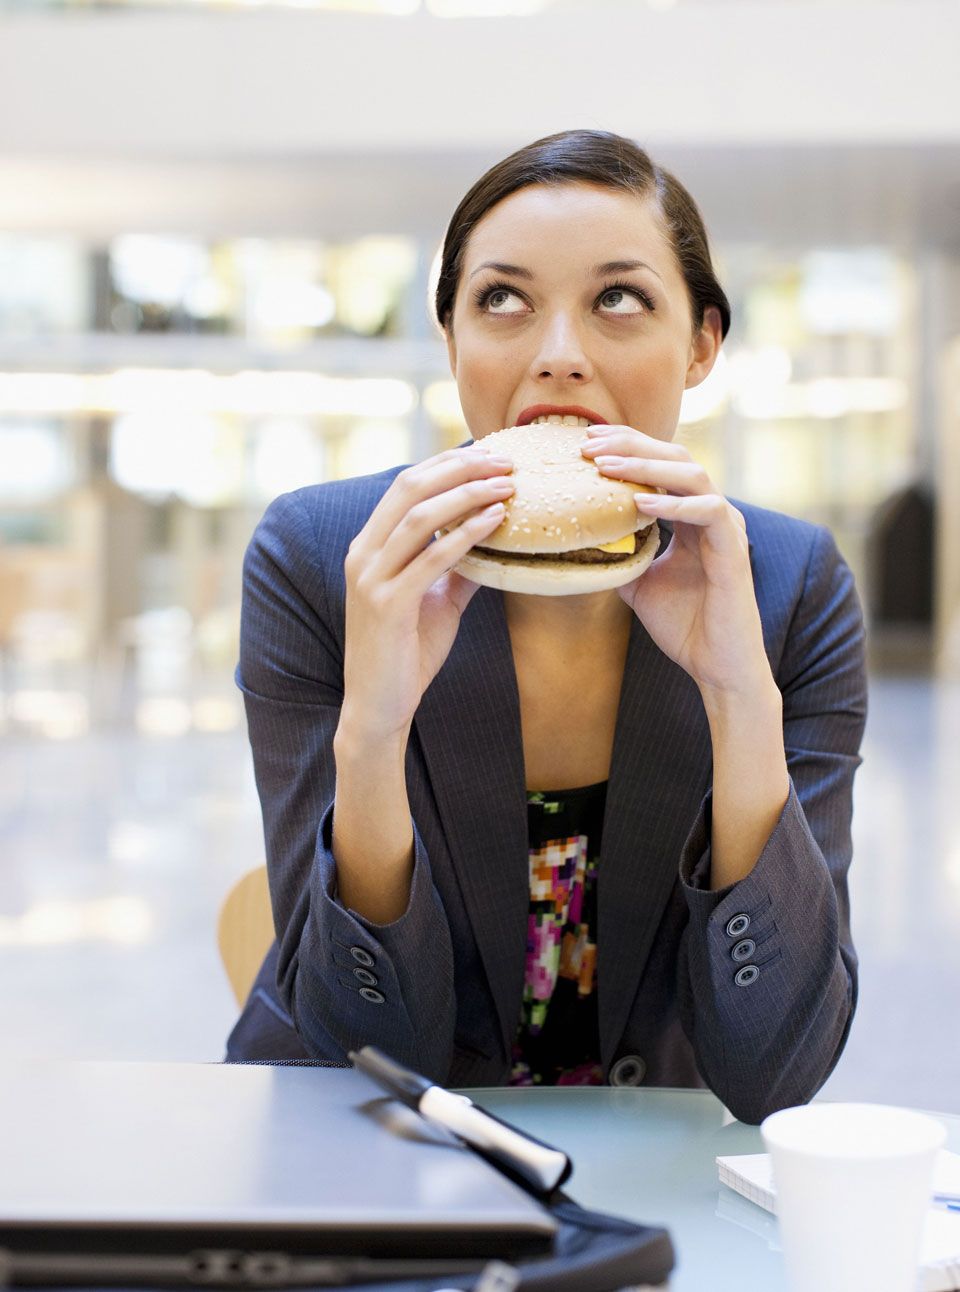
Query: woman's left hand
point(697, 600)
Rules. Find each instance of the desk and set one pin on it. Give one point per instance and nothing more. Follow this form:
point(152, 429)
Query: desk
point(649, 1155)
point(644, 1154)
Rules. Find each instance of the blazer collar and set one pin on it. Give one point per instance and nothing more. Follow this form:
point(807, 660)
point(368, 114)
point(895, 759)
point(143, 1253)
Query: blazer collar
point(468, 724)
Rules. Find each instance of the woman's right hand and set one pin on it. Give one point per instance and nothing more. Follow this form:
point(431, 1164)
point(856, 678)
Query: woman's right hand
point(404, 599)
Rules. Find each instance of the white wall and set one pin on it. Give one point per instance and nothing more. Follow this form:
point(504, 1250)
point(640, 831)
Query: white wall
point(180, 85)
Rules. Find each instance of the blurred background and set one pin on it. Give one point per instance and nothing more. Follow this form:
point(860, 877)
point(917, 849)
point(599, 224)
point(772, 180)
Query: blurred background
point(218, 225)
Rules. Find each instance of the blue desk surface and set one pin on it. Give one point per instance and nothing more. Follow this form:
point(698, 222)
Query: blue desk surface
point(644, 1154)
point(649, 1155)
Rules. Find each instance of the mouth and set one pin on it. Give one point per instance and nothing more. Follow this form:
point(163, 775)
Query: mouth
point(560, 415)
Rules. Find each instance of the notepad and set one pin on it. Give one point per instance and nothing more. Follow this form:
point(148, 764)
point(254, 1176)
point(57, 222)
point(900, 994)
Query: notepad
point(751, 1175)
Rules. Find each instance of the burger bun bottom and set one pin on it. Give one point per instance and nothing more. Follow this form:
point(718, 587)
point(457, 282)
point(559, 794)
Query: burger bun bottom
point(547, 578)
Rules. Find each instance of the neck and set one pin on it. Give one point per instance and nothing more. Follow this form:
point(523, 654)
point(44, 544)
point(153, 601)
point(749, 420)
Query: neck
point(591, 614)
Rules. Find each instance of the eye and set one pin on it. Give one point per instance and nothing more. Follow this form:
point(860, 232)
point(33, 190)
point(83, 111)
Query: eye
point(499, 299)
point(625, 300)
point(498, 302)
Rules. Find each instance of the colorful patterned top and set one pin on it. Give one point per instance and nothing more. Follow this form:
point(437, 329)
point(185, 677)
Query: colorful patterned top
point(558, 1040)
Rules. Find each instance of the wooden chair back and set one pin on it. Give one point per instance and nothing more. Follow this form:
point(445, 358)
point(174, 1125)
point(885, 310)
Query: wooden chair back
point(245, 930)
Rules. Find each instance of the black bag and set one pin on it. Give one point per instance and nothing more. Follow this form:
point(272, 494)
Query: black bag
point(595, 1253)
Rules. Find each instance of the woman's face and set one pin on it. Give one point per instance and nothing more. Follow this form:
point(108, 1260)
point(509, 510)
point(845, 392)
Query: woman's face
point(571, 297)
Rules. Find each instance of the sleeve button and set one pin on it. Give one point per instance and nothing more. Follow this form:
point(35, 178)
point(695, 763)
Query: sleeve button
point(744, 950)
point(365, 976)
point(739, 924)
point(747, 975)
point(362, 957)
point(377, 998)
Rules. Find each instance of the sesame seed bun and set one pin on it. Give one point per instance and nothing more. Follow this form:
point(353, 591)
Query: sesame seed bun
point(561, 510)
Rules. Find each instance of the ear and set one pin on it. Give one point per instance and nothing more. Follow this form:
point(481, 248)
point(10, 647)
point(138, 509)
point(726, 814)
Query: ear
point(705, 347)
point(451, 349)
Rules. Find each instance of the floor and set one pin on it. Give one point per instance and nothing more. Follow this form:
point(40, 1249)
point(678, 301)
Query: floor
point(116, 849)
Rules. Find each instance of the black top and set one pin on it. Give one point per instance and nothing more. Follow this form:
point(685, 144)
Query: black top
point(558, 1040)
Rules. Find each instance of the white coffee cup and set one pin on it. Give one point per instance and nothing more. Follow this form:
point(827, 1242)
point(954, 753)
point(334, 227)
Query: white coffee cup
point(853, 1184)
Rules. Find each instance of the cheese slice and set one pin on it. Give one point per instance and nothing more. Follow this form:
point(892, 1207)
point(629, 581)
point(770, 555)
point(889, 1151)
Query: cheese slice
point(628, 544)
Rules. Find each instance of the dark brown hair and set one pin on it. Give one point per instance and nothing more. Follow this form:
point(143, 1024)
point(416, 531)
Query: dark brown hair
point(593, 157)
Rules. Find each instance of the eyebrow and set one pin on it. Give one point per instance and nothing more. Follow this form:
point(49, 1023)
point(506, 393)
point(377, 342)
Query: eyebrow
point(622, 267)
point(598, 271)
point(515, 271)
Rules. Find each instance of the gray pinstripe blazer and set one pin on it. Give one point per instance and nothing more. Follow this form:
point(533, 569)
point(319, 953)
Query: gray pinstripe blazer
point(448, 974)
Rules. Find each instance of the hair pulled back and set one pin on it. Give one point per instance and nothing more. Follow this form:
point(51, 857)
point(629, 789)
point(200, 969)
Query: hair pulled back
point(593, 157)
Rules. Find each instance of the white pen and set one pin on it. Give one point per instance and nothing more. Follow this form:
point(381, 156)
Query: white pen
point(540, 1165)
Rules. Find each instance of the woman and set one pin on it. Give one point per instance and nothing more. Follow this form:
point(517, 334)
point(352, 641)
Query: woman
point(587, 838)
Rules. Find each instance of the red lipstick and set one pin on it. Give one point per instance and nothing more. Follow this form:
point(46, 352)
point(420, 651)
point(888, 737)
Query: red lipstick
point(559, 410)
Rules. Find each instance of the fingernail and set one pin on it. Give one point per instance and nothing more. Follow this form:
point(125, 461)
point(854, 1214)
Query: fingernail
point(608, 460)
point(646, 499)
point(597, 430)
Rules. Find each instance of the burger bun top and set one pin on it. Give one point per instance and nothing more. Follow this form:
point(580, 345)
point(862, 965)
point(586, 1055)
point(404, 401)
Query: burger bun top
point(561, 501)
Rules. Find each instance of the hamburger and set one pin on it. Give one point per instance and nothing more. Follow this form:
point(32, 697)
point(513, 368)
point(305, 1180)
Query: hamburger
point(567, 528)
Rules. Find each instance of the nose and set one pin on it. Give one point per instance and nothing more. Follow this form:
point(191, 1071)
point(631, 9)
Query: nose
point(560, 354)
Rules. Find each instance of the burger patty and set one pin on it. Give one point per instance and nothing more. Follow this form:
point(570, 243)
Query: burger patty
point(582, 556)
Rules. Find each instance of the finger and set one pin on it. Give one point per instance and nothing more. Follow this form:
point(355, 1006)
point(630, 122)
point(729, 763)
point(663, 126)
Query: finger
point(425, 518)
point(723, 525)
point(445, 551)
point(677, 477)
point(631, 443)
point(459, 589)
point(424, 480)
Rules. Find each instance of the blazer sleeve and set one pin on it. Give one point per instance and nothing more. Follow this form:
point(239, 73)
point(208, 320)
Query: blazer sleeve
point(346, 981)
point(767, 966)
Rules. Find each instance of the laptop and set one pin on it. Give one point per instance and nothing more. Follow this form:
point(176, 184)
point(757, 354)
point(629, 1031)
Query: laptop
point(191, 1174)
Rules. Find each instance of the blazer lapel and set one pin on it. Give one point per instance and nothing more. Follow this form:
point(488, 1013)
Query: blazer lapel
point(468, 724)
point(659, 774)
